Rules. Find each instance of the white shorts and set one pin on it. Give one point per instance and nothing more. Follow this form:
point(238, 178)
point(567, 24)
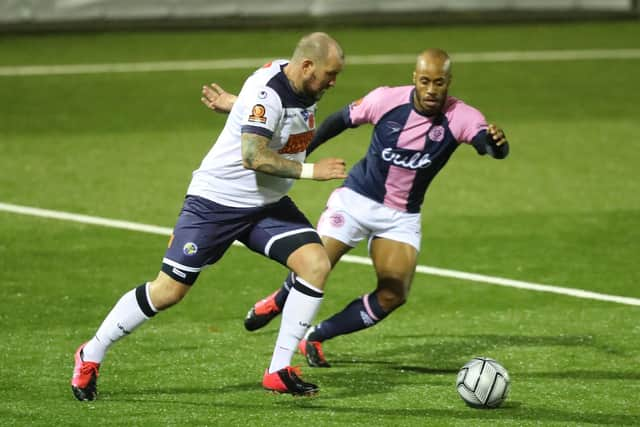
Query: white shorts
point(350, 218)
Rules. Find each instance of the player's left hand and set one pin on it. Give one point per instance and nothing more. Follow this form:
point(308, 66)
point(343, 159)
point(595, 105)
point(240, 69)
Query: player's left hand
point(329, 168)
point(496, 134)
point(217, 99)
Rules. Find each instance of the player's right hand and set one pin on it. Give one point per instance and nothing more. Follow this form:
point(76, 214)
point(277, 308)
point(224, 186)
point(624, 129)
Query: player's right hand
point(217, 99)
point(329, 168)
point(497, 135)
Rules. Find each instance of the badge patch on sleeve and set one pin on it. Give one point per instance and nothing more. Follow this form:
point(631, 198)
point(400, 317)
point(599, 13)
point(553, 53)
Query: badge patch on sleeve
point(258, 114)
point(355, 103)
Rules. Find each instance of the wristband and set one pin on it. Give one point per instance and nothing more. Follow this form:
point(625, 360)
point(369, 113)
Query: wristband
point(307, 171)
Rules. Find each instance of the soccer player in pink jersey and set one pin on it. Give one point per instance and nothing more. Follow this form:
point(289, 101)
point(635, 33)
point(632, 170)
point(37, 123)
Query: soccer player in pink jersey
point(416, 130)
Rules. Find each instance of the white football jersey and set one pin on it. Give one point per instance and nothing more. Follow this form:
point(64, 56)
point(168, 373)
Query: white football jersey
point(266, 106)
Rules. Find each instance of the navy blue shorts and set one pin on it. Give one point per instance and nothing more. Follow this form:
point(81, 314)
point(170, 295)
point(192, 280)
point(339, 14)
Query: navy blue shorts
point(206, 229)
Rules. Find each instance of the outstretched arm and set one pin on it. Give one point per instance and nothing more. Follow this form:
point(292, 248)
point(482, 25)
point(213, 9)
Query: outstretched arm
point(217, 99)
point(330, 127)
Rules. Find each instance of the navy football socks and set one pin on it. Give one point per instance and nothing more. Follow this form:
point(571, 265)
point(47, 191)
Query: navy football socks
point(361, 313)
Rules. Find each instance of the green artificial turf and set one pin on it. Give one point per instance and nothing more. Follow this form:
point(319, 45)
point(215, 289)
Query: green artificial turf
point(562, 210)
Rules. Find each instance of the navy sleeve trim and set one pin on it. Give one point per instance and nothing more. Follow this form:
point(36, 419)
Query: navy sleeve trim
point(479, 142)
point(257, 130)
point(347, 117)
point(332, 126)
point(484, 144)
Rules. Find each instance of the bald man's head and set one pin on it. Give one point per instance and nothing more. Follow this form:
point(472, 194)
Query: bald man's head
point(432, 78)
point(434, 57)
point(317, 47)
point(315, 64)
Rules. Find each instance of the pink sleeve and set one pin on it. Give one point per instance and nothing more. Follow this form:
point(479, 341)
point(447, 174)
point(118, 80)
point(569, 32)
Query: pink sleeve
point(465, 121)
point(368, 109)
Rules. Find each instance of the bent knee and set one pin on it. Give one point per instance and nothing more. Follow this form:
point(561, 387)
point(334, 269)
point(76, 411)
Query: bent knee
point(392, 294)
point(317, 269)
point(165, 291)
point(391, 300)
point(311, 263)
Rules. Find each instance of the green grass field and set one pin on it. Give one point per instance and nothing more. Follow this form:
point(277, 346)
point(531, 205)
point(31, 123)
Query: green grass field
point(563, 209)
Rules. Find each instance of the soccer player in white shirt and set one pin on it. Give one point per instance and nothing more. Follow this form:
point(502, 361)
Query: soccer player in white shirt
point(239, 193)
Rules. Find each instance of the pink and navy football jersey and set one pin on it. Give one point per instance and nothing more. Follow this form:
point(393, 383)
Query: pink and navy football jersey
point(407, 148)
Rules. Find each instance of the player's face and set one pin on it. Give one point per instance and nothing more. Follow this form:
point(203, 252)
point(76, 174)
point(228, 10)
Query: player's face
point(432, 80)
point(321, 76)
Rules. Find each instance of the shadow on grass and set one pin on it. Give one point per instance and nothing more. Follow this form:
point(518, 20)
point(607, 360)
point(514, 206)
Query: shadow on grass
point(512, 411)
point(443, 350)
point(464, 344)
point(346, 381)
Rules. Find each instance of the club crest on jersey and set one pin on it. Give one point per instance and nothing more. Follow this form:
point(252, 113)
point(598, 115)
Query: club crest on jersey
point(309, 118)
point(436, 134)
point(336, 220)
point(190, 248)
point(258, 114)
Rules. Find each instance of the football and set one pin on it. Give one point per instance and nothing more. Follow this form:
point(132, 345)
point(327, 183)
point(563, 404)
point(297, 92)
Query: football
point(483, 383)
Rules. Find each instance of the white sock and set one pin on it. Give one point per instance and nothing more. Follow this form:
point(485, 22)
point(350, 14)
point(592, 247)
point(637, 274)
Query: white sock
point(131, 311)
point(298, 312)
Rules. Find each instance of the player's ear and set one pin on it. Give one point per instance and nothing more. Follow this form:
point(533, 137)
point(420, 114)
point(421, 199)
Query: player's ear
point(414, 78)
point(307, 66)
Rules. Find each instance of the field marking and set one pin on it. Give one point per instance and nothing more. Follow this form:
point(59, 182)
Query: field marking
point(461, 275)
point(240, 63)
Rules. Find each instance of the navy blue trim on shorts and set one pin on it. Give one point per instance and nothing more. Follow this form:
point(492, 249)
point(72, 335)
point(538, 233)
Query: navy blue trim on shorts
point(283, 248)
point(185, 277)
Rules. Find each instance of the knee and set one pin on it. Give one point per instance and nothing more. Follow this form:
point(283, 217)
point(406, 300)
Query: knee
point(314, 267)
point(319, 267)
point(392, 297)
point(165, 292)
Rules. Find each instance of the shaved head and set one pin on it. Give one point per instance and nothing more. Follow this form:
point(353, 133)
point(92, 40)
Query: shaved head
point(434, 57)
point(315, 64)
point(317, 47)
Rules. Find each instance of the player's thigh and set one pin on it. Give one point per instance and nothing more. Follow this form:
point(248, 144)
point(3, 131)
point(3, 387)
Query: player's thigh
point(334, 248)
point(202, 234)
point(394, 262)
point(285, 235)
point(341, 222)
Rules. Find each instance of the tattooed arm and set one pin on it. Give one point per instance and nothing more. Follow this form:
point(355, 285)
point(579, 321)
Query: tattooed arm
point(256, 155)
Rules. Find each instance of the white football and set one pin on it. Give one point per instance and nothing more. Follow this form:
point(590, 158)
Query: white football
point(483, 383)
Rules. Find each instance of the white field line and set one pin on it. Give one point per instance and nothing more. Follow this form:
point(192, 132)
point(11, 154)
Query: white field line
point(240, 63)
point(461, 275)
